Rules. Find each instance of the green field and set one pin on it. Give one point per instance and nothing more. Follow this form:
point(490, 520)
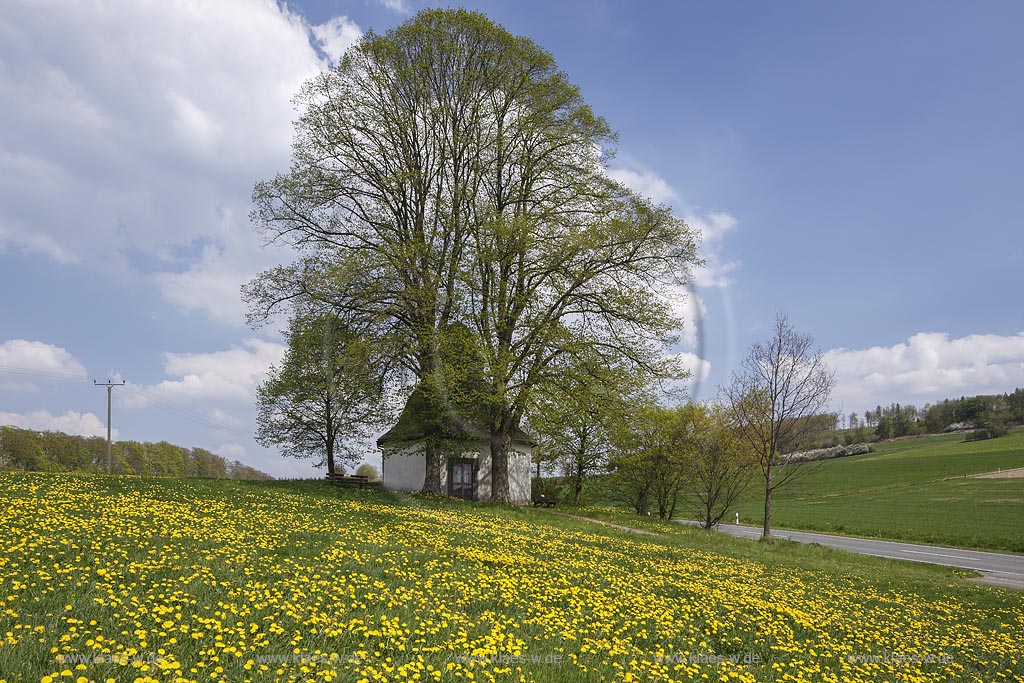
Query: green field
point(912, 490)
point(120, 579)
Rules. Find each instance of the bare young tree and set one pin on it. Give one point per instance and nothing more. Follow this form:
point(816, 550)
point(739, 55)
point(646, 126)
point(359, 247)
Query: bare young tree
point(781, 383)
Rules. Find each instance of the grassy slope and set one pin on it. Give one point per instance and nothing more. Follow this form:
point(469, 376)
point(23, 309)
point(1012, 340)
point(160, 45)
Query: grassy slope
point(212, 575)
point(913, 490)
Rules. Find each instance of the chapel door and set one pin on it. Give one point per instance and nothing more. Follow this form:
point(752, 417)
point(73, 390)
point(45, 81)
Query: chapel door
point(460, 480)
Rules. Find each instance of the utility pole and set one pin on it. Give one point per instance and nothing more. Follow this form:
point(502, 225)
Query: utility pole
point(110, 387)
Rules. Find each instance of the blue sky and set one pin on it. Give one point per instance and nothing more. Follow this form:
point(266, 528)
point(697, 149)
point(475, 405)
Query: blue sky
point(857, 164)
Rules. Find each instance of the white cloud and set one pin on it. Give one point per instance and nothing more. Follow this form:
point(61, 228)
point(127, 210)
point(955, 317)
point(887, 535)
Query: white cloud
point(699, 370)
point(399, 6)
point(713, 226)
point(130, 129)
point(715, 274)
point(229, 375)
point(211, 285)
point(231, 451)
point(336, 35)
point(647, 183)
point(71, 422)
point(219, 416)
point(927, 367)
point(689, 307)
point(22, 359)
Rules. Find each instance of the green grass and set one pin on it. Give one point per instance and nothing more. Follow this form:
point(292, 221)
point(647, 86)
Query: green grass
point(211, 576)
point(914, 490)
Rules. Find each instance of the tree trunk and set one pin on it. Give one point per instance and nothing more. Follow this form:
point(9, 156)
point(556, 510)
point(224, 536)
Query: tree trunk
point(641, 499)
point(710, 501)
point(433, 455)
point(766, 531)
point(434, 462)
point(499, 465)
point(578, 482)
point(710, 498)
point(330, 455)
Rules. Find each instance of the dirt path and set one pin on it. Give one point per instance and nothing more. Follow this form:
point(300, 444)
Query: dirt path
point(1002, 474)
point(621, 527)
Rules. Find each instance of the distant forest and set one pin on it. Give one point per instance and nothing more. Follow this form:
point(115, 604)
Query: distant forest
point(989, 415)
point(31, 451)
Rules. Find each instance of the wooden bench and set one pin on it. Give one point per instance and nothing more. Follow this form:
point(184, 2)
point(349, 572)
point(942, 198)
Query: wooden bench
point(347, 480)
point(547, 501)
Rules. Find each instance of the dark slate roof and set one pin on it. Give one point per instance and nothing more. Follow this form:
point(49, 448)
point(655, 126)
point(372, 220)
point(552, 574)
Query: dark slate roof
point(418, 421)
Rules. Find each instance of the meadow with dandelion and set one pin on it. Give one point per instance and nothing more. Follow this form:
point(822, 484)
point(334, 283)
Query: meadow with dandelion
point(164, 580)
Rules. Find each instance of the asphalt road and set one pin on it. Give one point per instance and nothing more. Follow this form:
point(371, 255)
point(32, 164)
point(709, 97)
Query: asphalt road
point(995, 568)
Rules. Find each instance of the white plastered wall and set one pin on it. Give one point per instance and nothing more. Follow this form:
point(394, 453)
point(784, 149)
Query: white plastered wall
point(405, 469)
point(520, 474)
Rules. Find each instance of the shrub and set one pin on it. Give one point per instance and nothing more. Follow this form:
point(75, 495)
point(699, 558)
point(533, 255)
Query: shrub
point(992, 431)
point(546, 486)
point(827, 453)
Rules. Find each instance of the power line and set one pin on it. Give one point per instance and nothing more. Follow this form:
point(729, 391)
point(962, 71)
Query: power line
point(36, 372)
point(153, 396)
point(178, 410)
point(167, 405)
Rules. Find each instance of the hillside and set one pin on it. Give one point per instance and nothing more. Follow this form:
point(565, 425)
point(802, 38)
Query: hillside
point(920, 490)
point(189, 580)
point(30, 451)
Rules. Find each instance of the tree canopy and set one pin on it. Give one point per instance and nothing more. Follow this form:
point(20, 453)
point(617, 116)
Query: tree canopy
point(32, 451)
point(327, 394)
point(448, 172)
